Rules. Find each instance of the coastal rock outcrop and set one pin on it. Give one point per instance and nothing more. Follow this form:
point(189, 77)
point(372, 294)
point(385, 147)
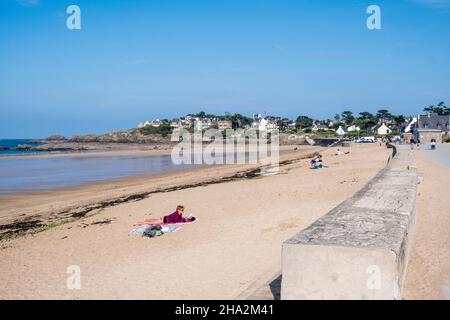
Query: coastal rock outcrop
point(84, 138)
point(24, 147)
point(62, 147)
point(56, 137)
point(122, 136)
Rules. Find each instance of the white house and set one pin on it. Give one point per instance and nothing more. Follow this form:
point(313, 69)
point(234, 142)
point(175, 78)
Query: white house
point(316, 127)
point(224, 124)
point(270, 126)
point(353, 128)
point(340, 131)
point(383, 130)
point(153, 123)
point(291, 125)
point(178, 123)
point(411, 125)
point(263, 124)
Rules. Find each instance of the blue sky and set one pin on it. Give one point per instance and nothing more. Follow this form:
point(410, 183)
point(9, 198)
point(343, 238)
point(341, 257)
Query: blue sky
point(134, 60)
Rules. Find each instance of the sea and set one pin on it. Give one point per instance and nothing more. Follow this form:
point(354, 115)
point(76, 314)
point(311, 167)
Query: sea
point(10, 144)
point(25, 174)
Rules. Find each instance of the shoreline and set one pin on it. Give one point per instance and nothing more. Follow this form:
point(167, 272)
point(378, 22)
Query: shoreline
point(132, 152)
point(24, 211)
point(236, 240)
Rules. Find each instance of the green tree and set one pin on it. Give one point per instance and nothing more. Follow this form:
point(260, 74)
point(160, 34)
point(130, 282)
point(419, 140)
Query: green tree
point(347, 117)
point(428, 109)
point(366, 116)
point(283, 124)
point(201, 114)
point(399, 120)
point(440, 109)
point(383, 115)
point(164, 129)
point(240, 121)
point(303, 122)
point(366, 120)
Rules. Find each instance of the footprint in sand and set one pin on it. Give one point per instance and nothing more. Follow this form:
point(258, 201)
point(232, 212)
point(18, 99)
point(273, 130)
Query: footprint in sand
point(281, 227)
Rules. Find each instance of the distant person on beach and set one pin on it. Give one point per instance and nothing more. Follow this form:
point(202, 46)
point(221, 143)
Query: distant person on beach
point(339, 152)
point(316, 162)
point(433, 144)
point(411, 142)
point(177, 216)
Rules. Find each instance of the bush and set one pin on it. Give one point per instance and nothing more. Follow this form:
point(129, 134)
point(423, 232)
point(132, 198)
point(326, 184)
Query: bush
point(164, 130)
point(356, 134)
point(446, 138)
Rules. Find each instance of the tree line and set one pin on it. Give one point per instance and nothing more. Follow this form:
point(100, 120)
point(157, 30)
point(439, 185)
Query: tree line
point(366, 120)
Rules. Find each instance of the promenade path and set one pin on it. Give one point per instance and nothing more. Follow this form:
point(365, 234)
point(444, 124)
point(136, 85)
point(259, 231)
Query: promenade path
point(440, 156)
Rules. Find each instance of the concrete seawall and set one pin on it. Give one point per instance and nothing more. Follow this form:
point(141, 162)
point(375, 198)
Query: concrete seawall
point(359, 249)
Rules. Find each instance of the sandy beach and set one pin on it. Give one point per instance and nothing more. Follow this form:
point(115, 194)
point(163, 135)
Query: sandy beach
point(35, 208)
point(235, 242)
point(428, 274)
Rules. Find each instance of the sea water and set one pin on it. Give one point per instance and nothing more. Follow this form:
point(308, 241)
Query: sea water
point(20, 174)
point(13, 143)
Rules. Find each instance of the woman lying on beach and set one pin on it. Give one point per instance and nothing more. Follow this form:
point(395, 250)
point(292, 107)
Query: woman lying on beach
point(175, 217)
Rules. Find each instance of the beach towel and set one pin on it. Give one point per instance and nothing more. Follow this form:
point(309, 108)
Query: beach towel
point(160, 223)
point(164, 229)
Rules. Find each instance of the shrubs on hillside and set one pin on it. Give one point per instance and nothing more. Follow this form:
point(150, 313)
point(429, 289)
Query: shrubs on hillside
point(163, 129)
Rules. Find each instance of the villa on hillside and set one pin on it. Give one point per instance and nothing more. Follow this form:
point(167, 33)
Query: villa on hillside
point(383, 130)
point(180, 123)
point(223, 125)
point(431, 126)
point(264, 124)
point(353, 128)
point(317, 126)
point(340, 131)
point(153, 123)
point(291, 125)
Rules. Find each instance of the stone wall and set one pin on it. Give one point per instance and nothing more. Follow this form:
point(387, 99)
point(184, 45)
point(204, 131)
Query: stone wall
point(359, 249)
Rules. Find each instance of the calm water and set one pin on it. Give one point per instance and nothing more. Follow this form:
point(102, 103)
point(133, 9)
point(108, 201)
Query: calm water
point(28, 174)
point(13, 143)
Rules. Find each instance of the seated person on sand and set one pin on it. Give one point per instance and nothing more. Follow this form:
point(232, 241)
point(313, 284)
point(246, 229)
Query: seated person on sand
point(316, 163)
point(339, 152)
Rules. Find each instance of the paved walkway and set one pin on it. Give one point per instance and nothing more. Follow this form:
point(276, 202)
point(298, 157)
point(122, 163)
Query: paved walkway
point(440, 156)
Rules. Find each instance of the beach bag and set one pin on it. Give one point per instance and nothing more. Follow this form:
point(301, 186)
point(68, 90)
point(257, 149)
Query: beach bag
point(152, 231)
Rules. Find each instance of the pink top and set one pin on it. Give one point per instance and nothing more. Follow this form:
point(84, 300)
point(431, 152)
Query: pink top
point(175, 218)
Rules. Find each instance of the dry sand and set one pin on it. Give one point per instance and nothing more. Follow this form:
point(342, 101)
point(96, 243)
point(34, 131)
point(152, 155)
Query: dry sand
point(236, 240)
point(428, 275)
point(49, 206)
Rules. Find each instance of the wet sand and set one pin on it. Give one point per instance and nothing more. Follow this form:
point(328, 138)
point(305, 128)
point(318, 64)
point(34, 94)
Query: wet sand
point(236, 240)
point(31, 209)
